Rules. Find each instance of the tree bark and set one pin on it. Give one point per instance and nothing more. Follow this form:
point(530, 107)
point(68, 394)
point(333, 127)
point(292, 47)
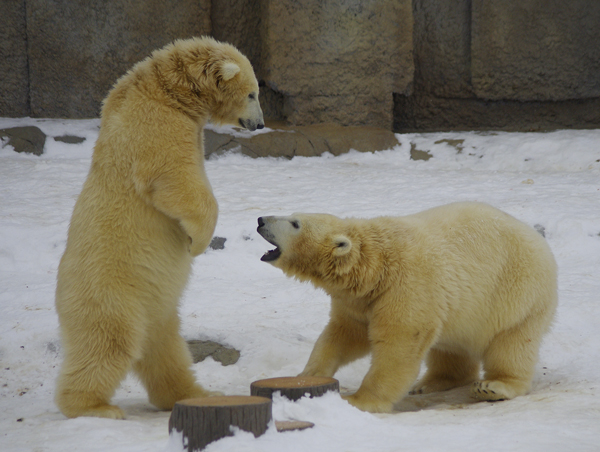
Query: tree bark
point(204, 420)
point(294, 387)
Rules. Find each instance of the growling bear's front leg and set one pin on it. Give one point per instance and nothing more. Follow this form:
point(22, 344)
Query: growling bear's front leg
point(341, 342)
point(397, 353)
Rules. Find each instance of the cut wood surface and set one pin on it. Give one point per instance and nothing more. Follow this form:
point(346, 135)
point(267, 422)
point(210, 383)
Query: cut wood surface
point(287, 426)
point(294, 387)
point(204, 420)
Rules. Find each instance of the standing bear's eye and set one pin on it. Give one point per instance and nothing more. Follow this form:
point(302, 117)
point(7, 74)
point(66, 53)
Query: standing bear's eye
point(295, 224)
point(251, 96)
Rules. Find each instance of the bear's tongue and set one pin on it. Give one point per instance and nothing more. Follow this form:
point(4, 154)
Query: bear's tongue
point(271, 255)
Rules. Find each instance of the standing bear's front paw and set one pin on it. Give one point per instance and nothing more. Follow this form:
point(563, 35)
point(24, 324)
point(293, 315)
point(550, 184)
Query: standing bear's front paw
point(214, 394)
point(369, 404)
point(200, 392)
point(314, 371)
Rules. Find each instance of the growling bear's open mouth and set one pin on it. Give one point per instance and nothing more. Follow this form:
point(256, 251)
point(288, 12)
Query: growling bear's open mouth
point(272, 254)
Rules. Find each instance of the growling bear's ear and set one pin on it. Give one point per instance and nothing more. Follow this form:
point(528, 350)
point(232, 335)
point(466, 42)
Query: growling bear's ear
point(229, 70)
point(342, 244)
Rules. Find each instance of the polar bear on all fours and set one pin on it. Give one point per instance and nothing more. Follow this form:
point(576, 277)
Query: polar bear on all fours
point(146, 209)
point(461, 285)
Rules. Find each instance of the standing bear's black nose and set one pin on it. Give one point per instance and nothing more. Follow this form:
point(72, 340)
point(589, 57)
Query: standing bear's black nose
point(260, 125)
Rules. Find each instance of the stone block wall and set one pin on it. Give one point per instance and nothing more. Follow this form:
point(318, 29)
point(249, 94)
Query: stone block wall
point(14, 71)
point(339, 61)
point(506, 65)
point(396, 64)
point(323, 61)
point(79, 48)
point(59, 58)
point(532, 50)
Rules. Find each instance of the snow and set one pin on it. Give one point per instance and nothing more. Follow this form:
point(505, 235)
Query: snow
point(546, 179)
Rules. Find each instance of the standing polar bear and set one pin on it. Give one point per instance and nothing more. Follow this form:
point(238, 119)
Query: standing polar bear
point(146, 209)
point(456, 285)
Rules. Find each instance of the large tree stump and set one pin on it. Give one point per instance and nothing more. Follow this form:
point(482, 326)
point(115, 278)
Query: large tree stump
point(294, 387)
point(208, 419)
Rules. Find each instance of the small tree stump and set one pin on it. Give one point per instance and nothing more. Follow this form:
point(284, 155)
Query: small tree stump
point(294, 387)
point(208, 419)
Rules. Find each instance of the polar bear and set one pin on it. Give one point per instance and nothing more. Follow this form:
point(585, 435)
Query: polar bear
point(456, 285)
point(146, 209)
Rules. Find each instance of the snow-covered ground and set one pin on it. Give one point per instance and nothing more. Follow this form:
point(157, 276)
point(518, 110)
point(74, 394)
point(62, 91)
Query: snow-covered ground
point(547, 179)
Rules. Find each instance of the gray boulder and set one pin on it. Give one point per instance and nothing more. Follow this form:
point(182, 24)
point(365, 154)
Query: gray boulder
point(29, 139)
point(306, 141)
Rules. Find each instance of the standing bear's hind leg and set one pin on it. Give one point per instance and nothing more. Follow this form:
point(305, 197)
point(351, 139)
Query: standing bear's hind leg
point(165, 367)
point(94, 366)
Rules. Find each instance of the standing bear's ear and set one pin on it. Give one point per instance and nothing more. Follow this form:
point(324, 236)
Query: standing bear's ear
point(342, 245)
point(228, 70)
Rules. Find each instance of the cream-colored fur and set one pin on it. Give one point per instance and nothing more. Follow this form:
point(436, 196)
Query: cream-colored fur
point(459, 285)
point(146, 209)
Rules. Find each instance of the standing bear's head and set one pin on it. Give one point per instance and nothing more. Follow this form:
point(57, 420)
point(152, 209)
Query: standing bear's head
point(210, 79)
point(331, 252)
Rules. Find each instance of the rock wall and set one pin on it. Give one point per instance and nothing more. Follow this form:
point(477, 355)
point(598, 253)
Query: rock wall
point(339, 61)
point(78, 49)
point(506, 65)
point(323, 61)
point(522, 51)
point(395, 64)
point(75, 50)
point(14, 72)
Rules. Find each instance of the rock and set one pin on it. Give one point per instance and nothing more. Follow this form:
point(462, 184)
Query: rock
point(456, 144)
point(202, 349)
point(307, 141)
point(70, 139)
point(217, 243)
point(417, 154)
point(29, 139)
point(541, 229)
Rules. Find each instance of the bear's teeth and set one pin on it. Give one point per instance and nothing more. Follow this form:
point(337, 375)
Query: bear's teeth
point(271, 255)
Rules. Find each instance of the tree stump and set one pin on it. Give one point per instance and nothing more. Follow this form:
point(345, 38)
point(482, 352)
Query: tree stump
point(208, 419)
point(294, 387)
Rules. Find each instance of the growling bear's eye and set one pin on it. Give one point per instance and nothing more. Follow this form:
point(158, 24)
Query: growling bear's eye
point(296, 225)
point(251, 96)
